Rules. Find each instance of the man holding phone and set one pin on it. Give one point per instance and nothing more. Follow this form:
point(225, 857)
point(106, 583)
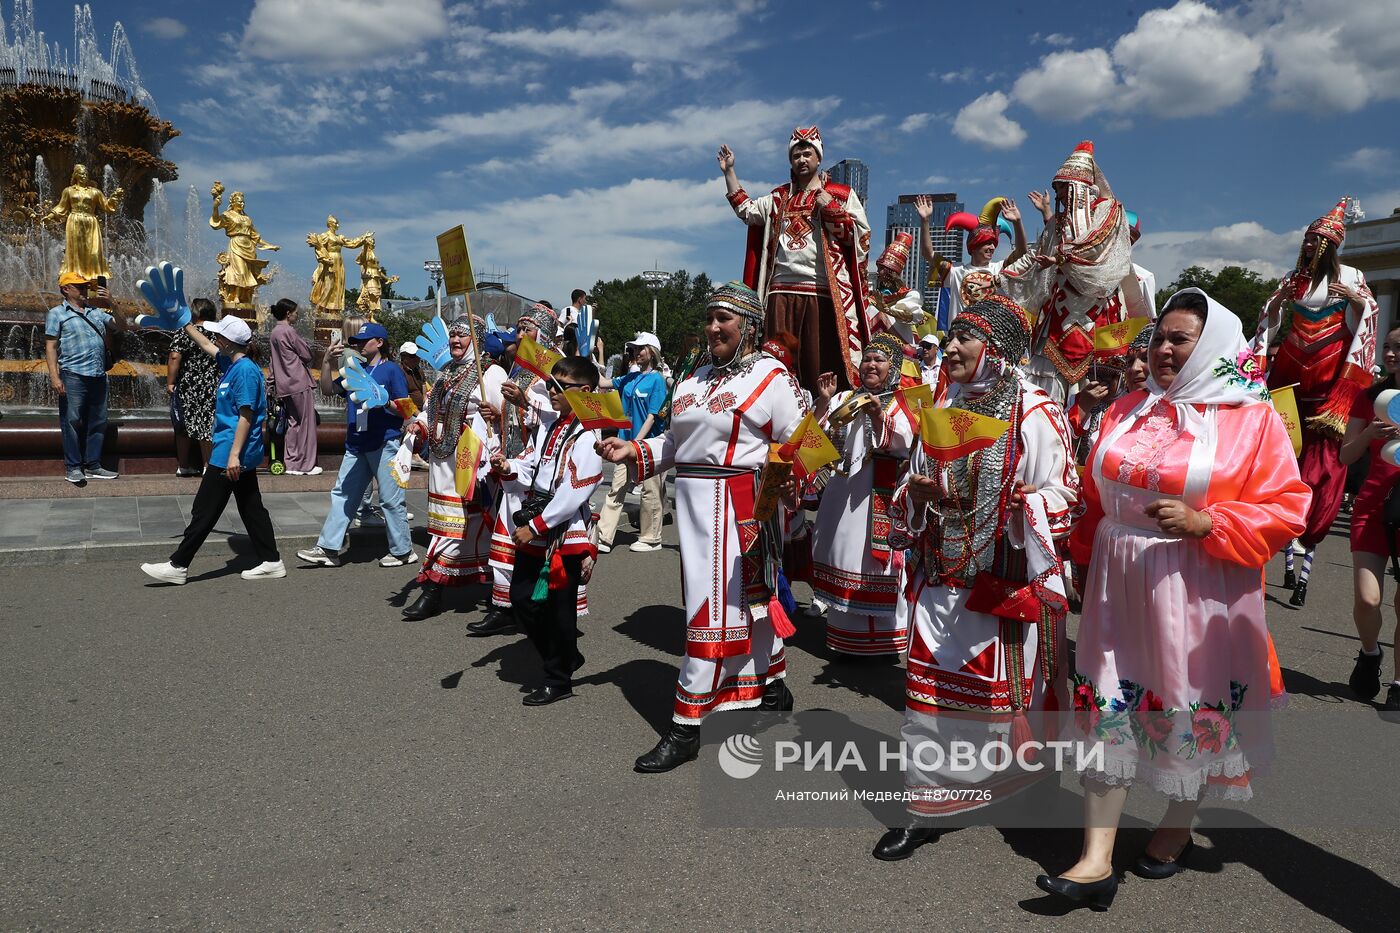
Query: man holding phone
point(78, 352)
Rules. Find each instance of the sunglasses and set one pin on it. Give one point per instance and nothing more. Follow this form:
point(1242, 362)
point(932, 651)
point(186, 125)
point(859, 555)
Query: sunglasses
point(566, 386)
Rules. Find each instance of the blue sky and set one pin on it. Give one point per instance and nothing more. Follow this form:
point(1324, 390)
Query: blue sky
point(576, 140)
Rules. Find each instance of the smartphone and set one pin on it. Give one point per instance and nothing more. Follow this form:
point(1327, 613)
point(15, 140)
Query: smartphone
point(102, 281)
point(337, 338)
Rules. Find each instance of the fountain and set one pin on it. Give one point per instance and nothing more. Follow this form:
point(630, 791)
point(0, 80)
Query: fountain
point(60, 108)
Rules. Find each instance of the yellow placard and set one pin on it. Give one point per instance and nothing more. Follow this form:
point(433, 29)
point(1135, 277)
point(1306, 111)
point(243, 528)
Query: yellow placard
point(1286, 404)
point(456, 262)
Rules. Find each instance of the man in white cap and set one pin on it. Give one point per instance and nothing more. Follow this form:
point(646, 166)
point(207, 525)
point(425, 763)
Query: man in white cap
point(643, 391)
point(240, 407)
point(930, 358)
point(807, 250)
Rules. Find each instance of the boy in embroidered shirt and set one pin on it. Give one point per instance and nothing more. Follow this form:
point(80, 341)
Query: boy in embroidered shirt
point(554, 551)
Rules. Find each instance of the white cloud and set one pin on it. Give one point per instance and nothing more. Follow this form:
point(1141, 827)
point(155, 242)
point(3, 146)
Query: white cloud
point(857, 126)
point(1369, 160)
point(984, 122)
point(1184, 61)
point(685, 36)
point(1056, 39)
point(1069, 85)
point(950, 77)
point(165, 27)
point(1246, 244)
point(340, 33)
point(936, 180)
point(1330, 55)
point(915, 122)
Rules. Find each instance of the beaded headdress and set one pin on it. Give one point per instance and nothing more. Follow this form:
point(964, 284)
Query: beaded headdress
point(1000, 323)
point(545, 318)
point(888, 344)
point(809, 135)
point(1332, 225)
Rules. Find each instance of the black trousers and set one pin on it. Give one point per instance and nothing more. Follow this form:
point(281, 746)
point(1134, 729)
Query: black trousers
point(553, 624)
point(209, 503)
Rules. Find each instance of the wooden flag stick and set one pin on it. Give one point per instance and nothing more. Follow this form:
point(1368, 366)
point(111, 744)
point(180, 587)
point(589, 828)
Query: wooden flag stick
point(476, 356)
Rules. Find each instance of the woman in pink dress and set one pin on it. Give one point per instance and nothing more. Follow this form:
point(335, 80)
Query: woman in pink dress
point(1190, 489)
point(1371, 544)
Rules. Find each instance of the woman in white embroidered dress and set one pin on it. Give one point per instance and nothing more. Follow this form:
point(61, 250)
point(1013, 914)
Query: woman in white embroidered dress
point(1191, 488)
point(854, 569)
point(987, 601)
point(459, 525)
point(723, 419)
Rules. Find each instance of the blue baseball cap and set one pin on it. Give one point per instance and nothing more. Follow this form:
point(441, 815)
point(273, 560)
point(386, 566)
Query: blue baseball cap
point(371, 331)
point(493, 345)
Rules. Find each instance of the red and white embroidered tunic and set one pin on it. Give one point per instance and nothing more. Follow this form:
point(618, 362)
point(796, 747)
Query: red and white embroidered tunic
point(722, 423)
point(563, 465)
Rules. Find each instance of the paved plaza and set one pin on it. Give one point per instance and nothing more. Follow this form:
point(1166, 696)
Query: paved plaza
point(288, 754)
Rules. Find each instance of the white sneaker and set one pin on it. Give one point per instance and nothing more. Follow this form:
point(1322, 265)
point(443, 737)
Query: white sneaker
point(267, 570)
point(604, 548)
point(408, 516)
point(316, 555)
point(315, 471)
point(166, 573)
point(393, 560)
point(641, 547)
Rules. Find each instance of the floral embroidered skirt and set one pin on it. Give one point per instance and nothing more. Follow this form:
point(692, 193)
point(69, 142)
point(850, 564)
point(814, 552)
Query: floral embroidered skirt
point(1173, 666)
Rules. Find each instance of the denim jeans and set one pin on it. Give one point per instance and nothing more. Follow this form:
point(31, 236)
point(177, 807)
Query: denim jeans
point(356, 471)
point(82, 415)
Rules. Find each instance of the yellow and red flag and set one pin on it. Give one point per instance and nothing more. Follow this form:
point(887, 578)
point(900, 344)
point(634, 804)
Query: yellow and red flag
point(600, 410)
point(809, 448)
point(909, 369)
point(951, 433)
point(405, 407)
point(1286, 404)
point(916, 399)
point(468, 461)
point(537, 359)
point(1114, 339)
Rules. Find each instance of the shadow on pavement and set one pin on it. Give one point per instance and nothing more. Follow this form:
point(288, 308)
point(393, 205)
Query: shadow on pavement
point(1307, 685)
point(661, 628)
point(648, 685)
point(1349, 895)
point(519, 662)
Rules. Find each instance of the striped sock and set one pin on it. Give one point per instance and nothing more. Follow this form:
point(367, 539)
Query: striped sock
point(1288, 558)
point(1307, 565)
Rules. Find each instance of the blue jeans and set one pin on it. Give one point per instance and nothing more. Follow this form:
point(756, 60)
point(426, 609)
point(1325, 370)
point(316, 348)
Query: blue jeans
point(356, 471)
point(82, 415)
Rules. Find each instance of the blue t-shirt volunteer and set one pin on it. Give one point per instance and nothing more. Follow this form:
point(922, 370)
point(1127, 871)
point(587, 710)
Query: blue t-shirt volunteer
point(240, 384)
point(643, 393)
point(383, 424)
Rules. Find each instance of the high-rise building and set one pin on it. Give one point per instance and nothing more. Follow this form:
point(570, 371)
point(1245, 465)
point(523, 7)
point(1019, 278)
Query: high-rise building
point(854, 174)
point(902, 217)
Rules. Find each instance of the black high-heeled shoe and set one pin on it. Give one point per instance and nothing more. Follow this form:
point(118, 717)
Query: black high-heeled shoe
point(1155, 869)
point(1097, 894)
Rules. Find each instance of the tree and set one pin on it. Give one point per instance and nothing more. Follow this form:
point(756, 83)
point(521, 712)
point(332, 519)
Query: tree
point(1241, 290)
point(432, 295)
point(624, 308)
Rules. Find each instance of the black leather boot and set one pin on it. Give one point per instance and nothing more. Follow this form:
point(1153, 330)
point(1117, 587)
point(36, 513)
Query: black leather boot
point(676, 747)
point(428, 604)
point(777, 698)
point(1290, 579)
point(496, 622)
point(899, 843)
point(1300, 594)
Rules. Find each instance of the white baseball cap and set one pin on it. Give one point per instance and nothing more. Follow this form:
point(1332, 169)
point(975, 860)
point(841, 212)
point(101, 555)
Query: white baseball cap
point(930, 340)
point(645, 339)
point(232, 328)
point(408, 346)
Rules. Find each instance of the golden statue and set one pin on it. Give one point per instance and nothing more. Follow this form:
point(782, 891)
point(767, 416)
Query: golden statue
point(82, 206)
point(240, 269)
point(372, 279)
point(328, 281)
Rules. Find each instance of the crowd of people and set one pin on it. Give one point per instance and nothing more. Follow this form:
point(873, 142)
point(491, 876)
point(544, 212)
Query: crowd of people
point(1109, 456)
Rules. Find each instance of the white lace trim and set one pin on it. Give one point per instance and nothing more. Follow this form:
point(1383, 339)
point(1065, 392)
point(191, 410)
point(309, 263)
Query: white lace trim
point(1176, 785)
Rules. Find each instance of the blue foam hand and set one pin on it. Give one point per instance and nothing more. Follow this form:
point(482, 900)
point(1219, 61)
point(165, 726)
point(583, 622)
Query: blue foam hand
point(164, 289)
point(587, 330)
point(363, 390)
point(490, 323)
point(432, 343)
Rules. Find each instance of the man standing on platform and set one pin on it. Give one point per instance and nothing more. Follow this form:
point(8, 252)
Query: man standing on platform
point(807, 250)
point(76, 348)
point(291, 374)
